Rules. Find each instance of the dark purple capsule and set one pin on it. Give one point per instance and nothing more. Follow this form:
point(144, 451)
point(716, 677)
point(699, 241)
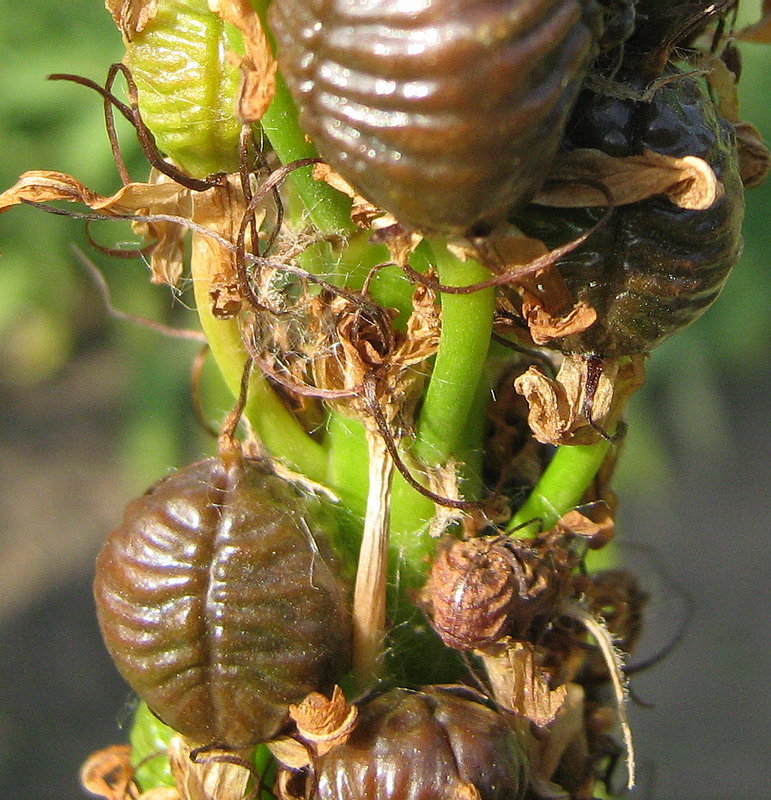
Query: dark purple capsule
point(654, 268)
point(446, 113)
point(220, 602)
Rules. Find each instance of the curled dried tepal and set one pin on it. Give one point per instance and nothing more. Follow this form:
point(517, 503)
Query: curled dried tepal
point(439, 743)
point(221, 603)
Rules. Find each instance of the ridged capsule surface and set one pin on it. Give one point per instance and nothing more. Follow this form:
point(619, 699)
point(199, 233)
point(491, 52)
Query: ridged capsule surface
point(220, 603)
point(446, 113)
point(654, 268)
point(439, 743)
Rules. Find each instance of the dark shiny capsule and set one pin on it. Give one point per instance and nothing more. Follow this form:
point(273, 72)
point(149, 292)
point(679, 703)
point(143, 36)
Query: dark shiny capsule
point(440, 743)
point(655, 267)
point(446, 113)
point(220, 603)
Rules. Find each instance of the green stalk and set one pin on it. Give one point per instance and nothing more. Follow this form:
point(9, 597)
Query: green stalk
point(328, 209)
point(277, 428)
point(467, 322)
point(561, 486)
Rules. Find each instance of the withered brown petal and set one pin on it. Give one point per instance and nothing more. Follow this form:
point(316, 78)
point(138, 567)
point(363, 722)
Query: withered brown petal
point(545, 327)
point(594, 522)
point(161, 793)
point(206, 777)
point(258, 66)
point(219, 210)
point(519, 685)
point(551, 411)
point(132, 16)
point(557, 405)
point(754, 157)
point(42, 186)
point(290, 752)
point(689, 182)
point(318, 716)
point(109, 773)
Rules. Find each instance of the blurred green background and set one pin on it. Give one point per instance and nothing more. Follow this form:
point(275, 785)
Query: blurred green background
point(93, 410)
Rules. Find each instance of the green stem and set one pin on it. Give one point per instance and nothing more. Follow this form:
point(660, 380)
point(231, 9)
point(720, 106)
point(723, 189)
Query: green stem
point(467, 322)
point(328, 209)
point(277, 428)
point(562, 485)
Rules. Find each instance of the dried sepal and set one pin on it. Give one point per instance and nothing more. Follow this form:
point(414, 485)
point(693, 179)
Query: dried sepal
point(109, 773)
point(207, 777)
point(220, 211)
point(688, 182)
point(43, 186)
point(324, 722)
point(519, 683)
point(132, 16)
point(161, 793)
point(565, 741)
point(568, 409)
point(160, 196)
point(547, 306)
point(258, 67)
point(290, 752)
point(167, 257)
point(363, 213)
point(759, 31)
point(593, 522)
point(754, 157)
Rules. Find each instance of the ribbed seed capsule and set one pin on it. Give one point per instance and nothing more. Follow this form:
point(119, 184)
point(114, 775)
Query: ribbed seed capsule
point(654, 268)
point(220, 603)
point(439, 743)
point(445, 113)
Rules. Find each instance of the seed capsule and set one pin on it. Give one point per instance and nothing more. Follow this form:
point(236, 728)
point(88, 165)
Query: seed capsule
point(655, 267)
point(439, 743)
point(443, 112)
point(220, 603)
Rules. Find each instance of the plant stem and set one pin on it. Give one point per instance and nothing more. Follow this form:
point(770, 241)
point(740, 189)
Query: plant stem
point(328, 209)
point(277, 428)
point(369, 598)
point(562, 485)
point(467, 322)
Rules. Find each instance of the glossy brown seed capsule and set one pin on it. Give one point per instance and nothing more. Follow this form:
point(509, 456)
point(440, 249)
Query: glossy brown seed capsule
point(654, 268)
point(220, 602)
point(445, 113)
point(439, 743)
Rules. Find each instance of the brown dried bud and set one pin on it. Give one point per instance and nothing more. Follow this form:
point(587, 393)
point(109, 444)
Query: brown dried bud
point(470, 590)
